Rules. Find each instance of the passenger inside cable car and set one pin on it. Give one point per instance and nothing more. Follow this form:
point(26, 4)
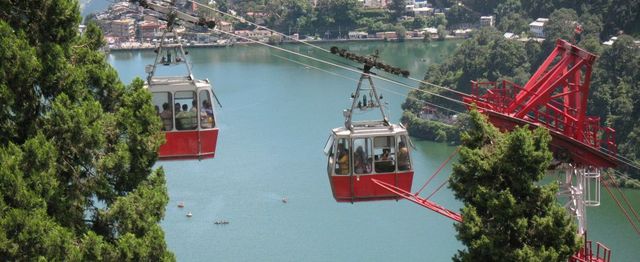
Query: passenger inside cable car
point(167, 117)
point(206, 112)
point(362, 156)
point(403, 156)
point(383, 150)
point(342, 167)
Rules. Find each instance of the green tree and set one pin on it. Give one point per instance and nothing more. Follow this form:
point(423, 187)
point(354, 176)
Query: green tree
point(397, 8)
point(442, 32)
point(336, 16)
point(459, 14)
point(615, 90)
point(76, 146)
point(507, 215)
point(505, 57)
point(418, 22)
point(401, 32)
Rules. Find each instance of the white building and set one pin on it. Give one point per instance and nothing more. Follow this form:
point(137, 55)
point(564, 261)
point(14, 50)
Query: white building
point(536, 28)
point(487, 21)
point(422, 11)
point(357, 35)
point(611, 41)
point(375, 3)
point(509, 35)
point(421, 4)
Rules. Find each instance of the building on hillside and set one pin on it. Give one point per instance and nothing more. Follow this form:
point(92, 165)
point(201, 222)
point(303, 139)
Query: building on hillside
point(462, 32)
point(431, 31)
point(422, 11)
point(375, 3)
point(258, 17)
point(148, 29)
point(387, 35)
point(224, 26)
point(357, 35)
point(259, 35)
point(508, 35)
point(536, 28)
point(123, 28)
point(421, 4)
point(487, 21)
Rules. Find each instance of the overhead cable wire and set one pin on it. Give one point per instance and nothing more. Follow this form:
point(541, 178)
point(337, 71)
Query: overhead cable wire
point(439, 169)
point(339, 66)
point(310, 44)
point(624, 211)
point(633, 211)
point(356, 80)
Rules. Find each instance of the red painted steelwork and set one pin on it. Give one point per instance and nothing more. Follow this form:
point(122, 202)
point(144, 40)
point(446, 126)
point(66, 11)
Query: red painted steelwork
point(555, 97)
point(586, 254)
point(420, 201)
point(347, 188)
point(193, 144)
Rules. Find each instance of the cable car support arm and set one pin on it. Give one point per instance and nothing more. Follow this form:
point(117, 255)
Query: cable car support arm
point(420, 201)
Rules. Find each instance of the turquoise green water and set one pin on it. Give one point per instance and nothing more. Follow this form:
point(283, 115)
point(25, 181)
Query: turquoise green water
point(275, 119)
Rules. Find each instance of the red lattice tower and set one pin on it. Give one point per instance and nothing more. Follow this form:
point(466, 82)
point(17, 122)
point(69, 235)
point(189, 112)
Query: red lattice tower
point(555, 97)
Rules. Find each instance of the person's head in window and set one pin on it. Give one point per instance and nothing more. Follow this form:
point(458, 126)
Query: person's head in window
point(177, 106)
point(165, 107)
point(194, 105)
point(185, 108)
point(385, 154)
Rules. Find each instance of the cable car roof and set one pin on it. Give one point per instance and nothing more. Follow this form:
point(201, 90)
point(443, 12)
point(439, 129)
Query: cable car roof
point(371, 128)
point(176, 83)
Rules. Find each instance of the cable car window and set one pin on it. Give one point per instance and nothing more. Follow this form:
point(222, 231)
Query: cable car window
point(404, 161)
point(162, 103)
point(343, 163)
point(206, 110)
point(362, 155)
point(328, 146)
point(186, 107)
point(384, 152)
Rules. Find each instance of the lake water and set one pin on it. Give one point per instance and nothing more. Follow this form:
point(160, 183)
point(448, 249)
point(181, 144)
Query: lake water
point(275, 119)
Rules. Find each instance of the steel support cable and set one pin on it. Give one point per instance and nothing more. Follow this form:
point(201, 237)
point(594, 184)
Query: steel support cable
point(623, 175)
point(316, 68)
point(356, 80)
point(606, 186)
point(438, 189)
point(243, 20)
point(339, 66)
point(633, 211)
point(309, 44)
point(439, 169)
point(620, 158)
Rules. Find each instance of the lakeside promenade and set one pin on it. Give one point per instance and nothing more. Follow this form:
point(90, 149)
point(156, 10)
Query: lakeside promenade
point(135, 46)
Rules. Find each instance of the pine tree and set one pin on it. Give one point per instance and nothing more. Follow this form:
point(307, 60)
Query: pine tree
point(507, 214)
point(76, 145)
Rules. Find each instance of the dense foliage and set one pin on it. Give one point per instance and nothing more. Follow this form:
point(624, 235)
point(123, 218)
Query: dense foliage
point(329, 18)
point(487, 55)
point(507, 215)
point(615, 15)
point(76, 146)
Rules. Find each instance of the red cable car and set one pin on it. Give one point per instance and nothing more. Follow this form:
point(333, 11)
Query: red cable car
point(186, 107)
point(364, 151)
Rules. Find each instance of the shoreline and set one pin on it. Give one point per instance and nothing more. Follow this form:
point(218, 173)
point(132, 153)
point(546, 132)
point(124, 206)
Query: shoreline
point(144, 48)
